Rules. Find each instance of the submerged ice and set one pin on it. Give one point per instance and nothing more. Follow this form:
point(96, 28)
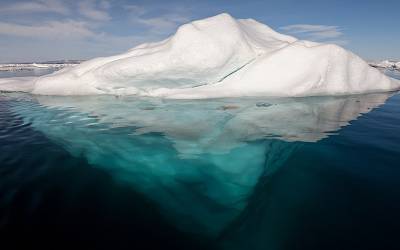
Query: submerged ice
point(199, 160)
point(217, 57)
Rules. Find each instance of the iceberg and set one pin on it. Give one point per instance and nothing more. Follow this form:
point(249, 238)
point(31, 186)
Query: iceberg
point(217, 57)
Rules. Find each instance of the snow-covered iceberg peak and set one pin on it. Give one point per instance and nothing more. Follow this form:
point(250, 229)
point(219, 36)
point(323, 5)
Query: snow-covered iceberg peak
point(220, 57)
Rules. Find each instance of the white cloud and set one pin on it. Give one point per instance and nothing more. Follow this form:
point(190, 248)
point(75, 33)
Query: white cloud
point(159, 24)
point(79, 32)
point(52, 29)
point(38, 6)
point(104, 4)
point(135, 9)
point(77, 36)
point(165, 22)
point(319, 33)
point(95, 11)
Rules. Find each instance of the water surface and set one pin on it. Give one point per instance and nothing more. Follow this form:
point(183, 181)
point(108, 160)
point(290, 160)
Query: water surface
point(247, 173)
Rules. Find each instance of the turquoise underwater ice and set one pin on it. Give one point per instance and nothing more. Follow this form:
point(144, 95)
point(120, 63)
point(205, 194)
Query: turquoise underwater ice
point(198, 160)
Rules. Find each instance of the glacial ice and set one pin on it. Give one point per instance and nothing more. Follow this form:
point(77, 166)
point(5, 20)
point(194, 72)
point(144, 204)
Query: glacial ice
point(218, 57)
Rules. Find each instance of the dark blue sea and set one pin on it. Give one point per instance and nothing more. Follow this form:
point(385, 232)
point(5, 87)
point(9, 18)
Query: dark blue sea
point(112, 172)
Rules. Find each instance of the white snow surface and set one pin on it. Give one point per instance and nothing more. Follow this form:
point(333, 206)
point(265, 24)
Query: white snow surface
point(218, 57)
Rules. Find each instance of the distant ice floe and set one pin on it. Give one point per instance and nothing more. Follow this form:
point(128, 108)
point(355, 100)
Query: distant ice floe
point(219, 57)
point(386, 64)
point(35, 66)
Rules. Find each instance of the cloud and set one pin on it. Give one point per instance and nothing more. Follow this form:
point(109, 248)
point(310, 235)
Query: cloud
point(135, 9)
point(319, 33)
point(160, 23)
point(80, 31)
point(38, 6)
point(93, 10)
point(73, 33)
point(104, 4)
point(165, 22)
point(52, 29)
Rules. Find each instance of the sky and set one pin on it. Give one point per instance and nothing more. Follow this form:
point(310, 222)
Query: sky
point(42, 30)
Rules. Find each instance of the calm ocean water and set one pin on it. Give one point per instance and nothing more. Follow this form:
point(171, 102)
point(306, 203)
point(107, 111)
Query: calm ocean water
point(111, 172)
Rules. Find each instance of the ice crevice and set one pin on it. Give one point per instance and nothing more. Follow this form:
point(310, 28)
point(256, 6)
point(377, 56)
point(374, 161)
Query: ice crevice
point(236, 70)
